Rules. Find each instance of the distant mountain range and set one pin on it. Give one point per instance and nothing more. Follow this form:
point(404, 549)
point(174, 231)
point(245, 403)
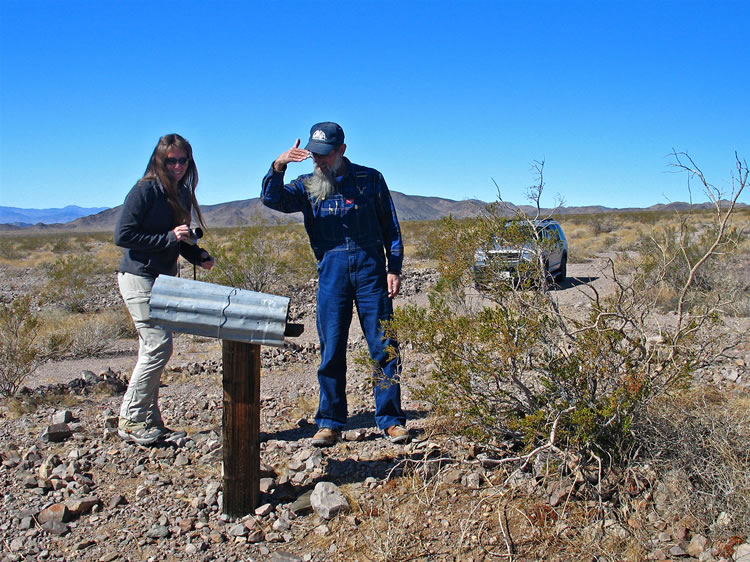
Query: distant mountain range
point(248, 211)
point(28, 217)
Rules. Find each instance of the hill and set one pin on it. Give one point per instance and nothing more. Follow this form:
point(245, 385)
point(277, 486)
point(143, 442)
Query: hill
point(408, 207)
point(27, 217)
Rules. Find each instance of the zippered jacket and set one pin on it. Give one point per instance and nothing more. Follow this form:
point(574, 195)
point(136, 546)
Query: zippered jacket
point(144, 230)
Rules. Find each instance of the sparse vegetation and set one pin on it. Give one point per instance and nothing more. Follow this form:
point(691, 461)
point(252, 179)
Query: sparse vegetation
point(20, 353)
point(520, 368)
point(263, 258)
point(69, 279)
point(600, 393)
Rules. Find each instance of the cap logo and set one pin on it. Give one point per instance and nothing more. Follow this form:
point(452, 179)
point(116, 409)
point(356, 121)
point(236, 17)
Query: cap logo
point(319, 135)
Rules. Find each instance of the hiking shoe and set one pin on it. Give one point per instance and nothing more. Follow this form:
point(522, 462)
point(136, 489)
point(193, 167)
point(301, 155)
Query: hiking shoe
point(325, 437)
point(168, 434)
point(134, 432)
point(397, 434)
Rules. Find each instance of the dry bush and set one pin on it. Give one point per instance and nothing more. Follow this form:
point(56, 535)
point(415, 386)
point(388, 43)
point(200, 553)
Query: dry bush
point(93, 334)
point(705, 436)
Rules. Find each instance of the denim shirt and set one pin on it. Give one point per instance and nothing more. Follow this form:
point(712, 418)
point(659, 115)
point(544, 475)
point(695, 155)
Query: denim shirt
point(360, 214)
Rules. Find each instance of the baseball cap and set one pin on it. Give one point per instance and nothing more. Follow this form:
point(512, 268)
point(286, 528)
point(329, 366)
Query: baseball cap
point(324, 137)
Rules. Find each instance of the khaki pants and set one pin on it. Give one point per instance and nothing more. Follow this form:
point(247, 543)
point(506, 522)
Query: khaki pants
point(141, 400)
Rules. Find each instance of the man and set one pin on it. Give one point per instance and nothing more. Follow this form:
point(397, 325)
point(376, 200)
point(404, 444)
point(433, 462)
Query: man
point(354, 232)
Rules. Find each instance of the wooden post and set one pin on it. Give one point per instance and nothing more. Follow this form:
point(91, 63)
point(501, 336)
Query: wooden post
point(241, 427)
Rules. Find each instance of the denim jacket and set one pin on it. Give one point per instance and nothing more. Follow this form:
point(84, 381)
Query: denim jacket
point(359, 215)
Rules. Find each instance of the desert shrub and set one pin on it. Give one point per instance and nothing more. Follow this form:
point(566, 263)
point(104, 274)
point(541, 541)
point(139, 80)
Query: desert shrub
point(670, 252)
point(69, 280)
point(264, 258)
point(705, 436)
point(8, 248)
point(20, 353)
point(521, 368)
point(422, 235)
point(62, 332)
point(61, 245)
point(92, 335)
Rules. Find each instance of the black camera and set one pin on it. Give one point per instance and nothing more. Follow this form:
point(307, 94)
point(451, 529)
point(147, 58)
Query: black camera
point(194, 235)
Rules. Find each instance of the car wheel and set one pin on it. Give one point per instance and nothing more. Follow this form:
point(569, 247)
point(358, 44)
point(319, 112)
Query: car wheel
point(562, 273)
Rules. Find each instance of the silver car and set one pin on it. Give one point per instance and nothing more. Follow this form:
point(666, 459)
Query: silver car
point(503, 259)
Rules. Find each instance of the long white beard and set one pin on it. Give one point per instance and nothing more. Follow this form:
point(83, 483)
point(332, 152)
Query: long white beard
point(322, 184)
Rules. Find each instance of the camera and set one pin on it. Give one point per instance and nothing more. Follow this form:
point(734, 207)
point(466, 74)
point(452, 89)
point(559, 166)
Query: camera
point(194, 235)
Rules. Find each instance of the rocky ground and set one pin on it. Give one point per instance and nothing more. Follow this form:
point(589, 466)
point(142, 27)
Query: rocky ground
point(72, 490)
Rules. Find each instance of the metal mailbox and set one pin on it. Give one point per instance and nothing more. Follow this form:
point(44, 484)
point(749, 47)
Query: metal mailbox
point(217, 311)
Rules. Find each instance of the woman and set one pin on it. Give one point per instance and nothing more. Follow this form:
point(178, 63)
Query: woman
point(153, 229)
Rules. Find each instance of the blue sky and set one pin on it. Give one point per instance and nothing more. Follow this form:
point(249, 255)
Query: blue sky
point(440, 96)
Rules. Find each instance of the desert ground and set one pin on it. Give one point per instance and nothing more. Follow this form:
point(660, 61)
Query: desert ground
point(72, 490)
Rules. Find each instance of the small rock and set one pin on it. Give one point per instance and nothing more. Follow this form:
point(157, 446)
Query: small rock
point(56, 528)
point(216, 537)
point(452, 476)
point(56, 433)
point(263, 510)
point(677, 551)
point(157, 532)
point(267, 485)
point(281, 556)
point(61, 417)
point(238, 530)
point(57, 512)
point(742, 554)
point(327, 500)
point(473, 480)
point(697, 545)
point(301, 504)
point(80, 506)
point(116, 500)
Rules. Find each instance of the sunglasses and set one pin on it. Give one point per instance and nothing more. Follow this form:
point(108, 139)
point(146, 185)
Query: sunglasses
point(172, 161)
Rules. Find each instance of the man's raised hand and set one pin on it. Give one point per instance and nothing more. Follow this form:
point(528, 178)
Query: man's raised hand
point(294, 154)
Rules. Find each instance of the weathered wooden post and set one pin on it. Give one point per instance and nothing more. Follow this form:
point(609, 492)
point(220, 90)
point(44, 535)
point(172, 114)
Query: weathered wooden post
point(241, 426)
point(243, 320)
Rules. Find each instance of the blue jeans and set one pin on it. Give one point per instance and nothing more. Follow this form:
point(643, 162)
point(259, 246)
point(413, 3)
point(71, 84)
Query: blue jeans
point(347, 277)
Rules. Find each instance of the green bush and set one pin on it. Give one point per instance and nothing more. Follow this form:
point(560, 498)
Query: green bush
point(20, 354)
point(264, 258)
point(69, 280)
point(515, 365)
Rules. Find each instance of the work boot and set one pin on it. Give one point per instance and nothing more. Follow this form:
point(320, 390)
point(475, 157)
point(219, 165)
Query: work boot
point(397, 434)
point(325, 437)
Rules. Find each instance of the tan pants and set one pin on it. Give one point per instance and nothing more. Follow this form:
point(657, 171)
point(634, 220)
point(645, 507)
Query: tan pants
point(141, 400)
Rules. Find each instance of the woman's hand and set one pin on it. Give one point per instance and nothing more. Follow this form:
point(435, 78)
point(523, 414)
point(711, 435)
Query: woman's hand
point(207, 262)
point(182, 232)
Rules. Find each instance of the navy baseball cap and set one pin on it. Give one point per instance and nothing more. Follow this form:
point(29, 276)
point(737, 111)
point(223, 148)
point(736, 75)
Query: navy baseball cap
point(324, 137)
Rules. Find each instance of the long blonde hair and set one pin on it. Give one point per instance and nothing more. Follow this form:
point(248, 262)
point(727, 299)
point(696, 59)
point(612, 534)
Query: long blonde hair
point(157, 169)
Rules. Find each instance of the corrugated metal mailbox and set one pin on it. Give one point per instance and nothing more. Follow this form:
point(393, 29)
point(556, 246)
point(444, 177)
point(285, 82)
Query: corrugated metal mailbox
point(243, 320)
point(206, 309)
